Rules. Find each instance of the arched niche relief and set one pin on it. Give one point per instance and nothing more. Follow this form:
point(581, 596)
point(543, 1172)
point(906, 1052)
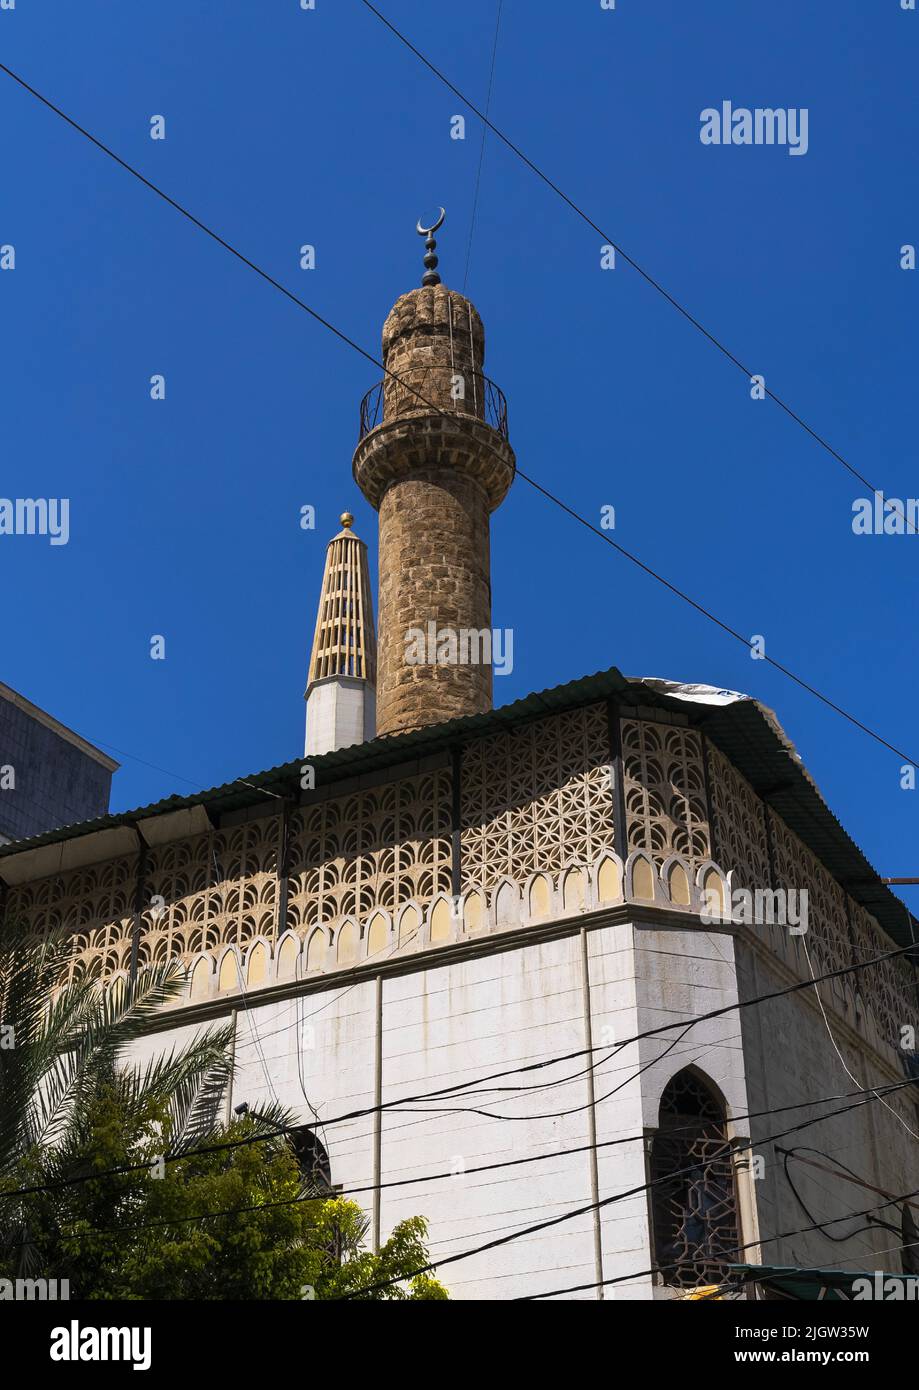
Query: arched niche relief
point(257, 965)
point(201, 979)
point(409, 926)
point(287, 958)
point(347, 943)
point(229, 975)
point(609, 880)
point(642, 878)
point(316, 950)
point(715, 893)
point(539, 897)
point(674, 875)
point(574, 890)
point(733, 881)
point(474, 913)
point(441, 920)
point(506, 904)
point(377, 934)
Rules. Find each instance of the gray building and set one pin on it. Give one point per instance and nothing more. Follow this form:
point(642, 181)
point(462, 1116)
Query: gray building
point(49, 776)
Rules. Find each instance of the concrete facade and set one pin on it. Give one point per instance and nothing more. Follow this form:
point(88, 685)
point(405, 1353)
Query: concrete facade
point(340, 711)
point(501, 955)
point(49, 776)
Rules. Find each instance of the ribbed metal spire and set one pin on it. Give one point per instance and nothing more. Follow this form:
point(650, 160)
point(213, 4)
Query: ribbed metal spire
point(344, 643)
point(341, 690)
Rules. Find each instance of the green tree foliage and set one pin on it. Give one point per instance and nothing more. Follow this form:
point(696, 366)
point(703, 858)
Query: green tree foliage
point(226, 1223)
point(232, 1223)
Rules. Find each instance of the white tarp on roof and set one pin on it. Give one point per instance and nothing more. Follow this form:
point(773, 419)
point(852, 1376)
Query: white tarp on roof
point(712, 695)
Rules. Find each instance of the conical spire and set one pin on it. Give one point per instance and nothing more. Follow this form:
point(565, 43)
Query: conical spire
point(340, 692)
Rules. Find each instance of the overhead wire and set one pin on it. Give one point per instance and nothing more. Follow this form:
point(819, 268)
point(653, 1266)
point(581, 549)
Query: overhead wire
point(538, 487)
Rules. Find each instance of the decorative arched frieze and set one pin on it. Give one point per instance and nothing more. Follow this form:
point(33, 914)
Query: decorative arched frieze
point(575, 890)
point(287, 957)
point(228, 972)
point(317, 950)
point(608, 880)
point(408, 934)
point(505, 904)
point(539, 897)
point(713, 890)
point(347, 942)
point(202, 978)
point(379, 935)
point(440, 925)
point(257, 964)
point(641, 881)
point(675, 875)
point(474, 913)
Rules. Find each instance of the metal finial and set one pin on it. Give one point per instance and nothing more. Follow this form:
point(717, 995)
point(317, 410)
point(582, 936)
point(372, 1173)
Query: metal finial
point(347, 520)
point(430, 276)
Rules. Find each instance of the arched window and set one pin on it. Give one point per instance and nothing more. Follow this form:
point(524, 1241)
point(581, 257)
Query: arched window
point(693, 1203)
point(313, 1160)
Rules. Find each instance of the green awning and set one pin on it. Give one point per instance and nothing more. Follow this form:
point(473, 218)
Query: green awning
point(828, 1285)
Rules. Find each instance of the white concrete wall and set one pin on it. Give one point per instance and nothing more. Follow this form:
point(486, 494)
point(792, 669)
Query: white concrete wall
point(643, 978)
point(339, 713)
point(469, 1020)
point(789, 1058)
point(489, 1013)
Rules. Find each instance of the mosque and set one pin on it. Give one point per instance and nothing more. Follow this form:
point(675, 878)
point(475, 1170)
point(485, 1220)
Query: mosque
point(489, 955)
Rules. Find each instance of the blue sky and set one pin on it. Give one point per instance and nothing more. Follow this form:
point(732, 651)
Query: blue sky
point(286, 127)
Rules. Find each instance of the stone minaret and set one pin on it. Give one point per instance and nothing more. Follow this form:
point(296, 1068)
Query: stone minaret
point(340, 703)
point(435, 470)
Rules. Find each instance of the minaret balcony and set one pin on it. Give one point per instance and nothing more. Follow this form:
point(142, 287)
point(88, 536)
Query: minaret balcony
point(432, 389)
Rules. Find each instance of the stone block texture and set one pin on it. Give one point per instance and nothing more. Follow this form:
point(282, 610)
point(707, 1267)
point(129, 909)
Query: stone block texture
point(435, 476)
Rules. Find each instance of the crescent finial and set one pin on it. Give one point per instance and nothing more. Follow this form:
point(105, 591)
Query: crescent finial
point(430, 276)
point(429, 231)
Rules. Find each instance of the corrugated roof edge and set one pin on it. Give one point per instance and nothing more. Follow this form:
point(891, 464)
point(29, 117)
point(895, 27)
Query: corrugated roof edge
point(745, 731)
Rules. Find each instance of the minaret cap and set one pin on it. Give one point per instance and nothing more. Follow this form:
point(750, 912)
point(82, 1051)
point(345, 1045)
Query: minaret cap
point(430, 276)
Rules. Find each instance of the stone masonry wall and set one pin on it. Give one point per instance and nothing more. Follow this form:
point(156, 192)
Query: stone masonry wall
point(434, 479)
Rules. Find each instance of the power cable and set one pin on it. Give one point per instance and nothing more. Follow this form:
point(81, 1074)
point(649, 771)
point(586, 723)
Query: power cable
point(494, 1076)
point(478, 176)
point(603, 535)
point(732, 1148)
point(630, 260)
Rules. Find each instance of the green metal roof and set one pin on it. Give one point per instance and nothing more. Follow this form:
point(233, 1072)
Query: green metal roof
point(743, 729)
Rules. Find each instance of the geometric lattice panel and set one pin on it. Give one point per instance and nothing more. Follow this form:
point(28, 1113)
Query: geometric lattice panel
point(537, 799)
point(220, 889)
point(374, 849)
point(665, 801)
point(739, 818)
point(95, 905)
